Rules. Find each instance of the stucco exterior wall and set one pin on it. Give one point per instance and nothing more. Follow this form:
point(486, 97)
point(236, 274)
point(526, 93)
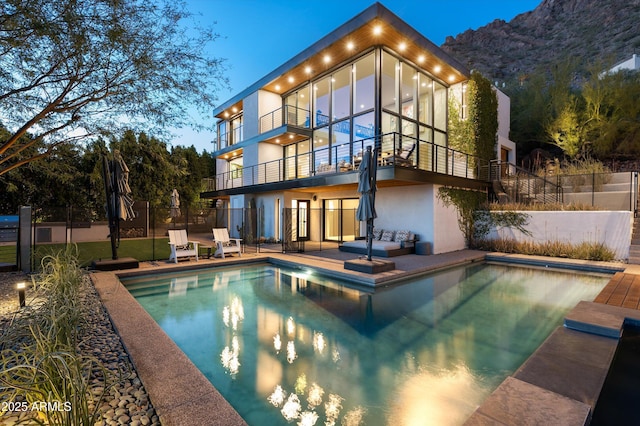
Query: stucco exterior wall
point(612, 228)
point(250, 115)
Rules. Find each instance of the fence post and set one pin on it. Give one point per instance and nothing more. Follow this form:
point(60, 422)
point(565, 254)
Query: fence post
point(24, 240)
point(593, 188)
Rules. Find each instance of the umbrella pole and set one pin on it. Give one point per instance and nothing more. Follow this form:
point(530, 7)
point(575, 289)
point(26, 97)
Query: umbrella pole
point(369, 238)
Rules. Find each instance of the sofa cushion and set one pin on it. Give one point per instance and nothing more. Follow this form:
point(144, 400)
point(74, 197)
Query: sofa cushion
point(377, 233)
point(402, 236)
point(387, 236)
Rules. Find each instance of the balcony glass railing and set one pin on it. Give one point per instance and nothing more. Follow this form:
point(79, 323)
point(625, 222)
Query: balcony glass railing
point(395, 150)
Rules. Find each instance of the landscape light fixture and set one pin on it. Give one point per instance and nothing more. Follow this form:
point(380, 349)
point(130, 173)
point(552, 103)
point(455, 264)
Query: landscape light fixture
point(21, 293)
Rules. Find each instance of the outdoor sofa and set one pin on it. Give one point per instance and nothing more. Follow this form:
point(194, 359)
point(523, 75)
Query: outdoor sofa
point(385, 243)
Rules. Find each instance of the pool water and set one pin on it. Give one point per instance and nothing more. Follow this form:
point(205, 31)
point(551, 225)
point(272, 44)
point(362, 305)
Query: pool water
point(290, 347)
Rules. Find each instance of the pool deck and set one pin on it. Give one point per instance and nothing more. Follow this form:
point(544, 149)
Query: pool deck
point(558, 384)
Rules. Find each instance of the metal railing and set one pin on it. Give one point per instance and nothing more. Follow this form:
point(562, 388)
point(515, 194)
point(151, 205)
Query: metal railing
point(286, 115)
point(513, 184)
point(394, 150)
point(231, 137)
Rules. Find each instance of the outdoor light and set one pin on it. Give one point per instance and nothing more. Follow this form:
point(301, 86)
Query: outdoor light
point(21, 290)
point(437, 68)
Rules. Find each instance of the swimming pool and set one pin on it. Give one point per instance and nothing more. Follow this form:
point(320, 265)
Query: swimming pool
point(281, 347)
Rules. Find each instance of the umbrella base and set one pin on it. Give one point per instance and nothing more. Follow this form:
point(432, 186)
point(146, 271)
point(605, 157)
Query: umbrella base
point(115, 264)
point(369, 266)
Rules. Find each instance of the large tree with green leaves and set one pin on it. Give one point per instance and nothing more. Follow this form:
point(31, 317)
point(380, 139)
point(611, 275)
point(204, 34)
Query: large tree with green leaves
point(75, 69)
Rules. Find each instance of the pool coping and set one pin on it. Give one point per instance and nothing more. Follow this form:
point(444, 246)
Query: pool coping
point(182, 395)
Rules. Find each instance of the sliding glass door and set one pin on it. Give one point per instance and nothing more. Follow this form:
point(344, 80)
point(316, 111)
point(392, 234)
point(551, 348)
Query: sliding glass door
point(340, 222)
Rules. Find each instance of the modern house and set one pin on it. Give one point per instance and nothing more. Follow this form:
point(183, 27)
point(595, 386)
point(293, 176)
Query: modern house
point(290, 145)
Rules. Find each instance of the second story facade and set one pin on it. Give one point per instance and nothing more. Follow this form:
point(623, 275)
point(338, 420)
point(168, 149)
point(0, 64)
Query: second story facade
point(373, 81)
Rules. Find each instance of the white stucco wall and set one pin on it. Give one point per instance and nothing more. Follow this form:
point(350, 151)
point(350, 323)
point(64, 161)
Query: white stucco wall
point(447, 234)
point(612, 228)
point(268, 102)
point(250, 113)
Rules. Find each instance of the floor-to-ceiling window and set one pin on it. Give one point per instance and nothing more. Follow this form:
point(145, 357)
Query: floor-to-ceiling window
point(340, 222)
point(413, 110)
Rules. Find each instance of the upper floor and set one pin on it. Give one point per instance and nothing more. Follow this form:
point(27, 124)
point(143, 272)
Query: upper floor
point(374, 80)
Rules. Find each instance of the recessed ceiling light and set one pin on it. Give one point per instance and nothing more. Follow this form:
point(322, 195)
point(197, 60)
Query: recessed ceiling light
point(350, 45)
point(452, 78)
point(226, 113)
point(402, 46)
point(234, 109)
point(277, 140)
point(421, 59)
point(290, 80)
point(277, 87)
point(327, 59)
point(307, 70)
point(437, 68)
point(377, 30)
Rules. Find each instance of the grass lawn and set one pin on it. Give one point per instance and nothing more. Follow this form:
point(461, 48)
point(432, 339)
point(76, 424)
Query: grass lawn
point(142, 249)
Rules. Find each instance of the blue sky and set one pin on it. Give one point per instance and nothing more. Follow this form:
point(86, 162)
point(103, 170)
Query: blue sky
point(259, 35)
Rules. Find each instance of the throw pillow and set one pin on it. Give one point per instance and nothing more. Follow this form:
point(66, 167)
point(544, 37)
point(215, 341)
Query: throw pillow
point(387, 236)
point(377, 233)
point(402, 236)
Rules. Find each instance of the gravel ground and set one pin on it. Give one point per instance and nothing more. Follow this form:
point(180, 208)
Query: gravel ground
point(127, 403)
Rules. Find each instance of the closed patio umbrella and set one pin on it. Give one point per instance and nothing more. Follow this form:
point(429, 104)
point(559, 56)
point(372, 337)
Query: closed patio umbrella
point(175, 205)
point(367, 188)
point(119, 202)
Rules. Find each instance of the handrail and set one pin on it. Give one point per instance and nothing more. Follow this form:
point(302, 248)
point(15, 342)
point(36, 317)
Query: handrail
point(395, 150)
point(287, 114)
point(522, 186)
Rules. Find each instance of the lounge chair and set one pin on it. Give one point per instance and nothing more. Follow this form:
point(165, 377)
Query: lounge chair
point(181, 246)
point(224, 244)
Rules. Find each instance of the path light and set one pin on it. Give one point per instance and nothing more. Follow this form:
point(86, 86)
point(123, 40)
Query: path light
point(21, 293)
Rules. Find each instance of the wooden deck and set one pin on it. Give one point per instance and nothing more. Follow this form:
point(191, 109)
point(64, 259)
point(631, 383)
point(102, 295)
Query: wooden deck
point(622, 290)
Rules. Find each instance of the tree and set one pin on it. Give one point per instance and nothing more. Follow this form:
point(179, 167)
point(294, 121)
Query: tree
point(566, 131)
point(74, 69)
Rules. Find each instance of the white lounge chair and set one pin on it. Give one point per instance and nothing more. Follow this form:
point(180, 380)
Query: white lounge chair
point(181, 246)
point(224, 244)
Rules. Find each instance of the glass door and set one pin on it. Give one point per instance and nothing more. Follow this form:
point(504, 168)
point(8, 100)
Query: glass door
point(340, 222)
point(300, 220)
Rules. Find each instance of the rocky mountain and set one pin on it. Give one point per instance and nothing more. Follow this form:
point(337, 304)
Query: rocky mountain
point(586, 30)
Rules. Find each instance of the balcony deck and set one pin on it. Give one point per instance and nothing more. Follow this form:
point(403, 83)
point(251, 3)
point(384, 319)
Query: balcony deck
point(401, 160)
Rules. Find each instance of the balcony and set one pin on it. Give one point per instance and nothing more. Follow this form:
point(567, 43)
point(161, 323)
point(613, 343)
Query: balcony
point(394, 151)
point(286, 116)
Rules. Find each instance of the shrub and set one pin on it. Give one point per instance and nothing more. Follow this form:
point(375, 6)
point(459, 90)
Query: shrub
point(41, 363)
point(585, 250)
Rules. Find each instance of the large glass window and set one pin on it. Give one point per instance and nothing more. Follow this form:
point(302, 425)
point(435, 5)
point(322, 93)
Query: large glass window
point(364, 126)
point(298, 107)
point(321, 150)
point(389, 94)
point(340, 142)
point(364, 84)
point(321, 102)
point(439, 106)
point(425, 109)
point(407, 90)
point(341, 93)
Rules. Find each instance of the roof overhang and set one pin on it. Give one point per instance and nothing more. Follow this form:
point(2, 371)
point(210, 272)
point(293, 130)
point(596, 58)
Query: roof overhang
point(375, 26)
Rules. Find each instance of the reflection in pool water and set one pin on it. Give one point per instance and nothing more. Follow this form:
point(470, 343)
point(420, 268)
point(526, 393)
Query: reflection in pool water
point(288, 347)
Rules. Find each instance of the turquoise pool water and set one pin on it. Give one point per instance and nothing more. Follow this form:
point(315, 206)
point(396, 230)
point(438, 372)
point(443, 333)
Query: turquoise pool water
point(287, 347)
